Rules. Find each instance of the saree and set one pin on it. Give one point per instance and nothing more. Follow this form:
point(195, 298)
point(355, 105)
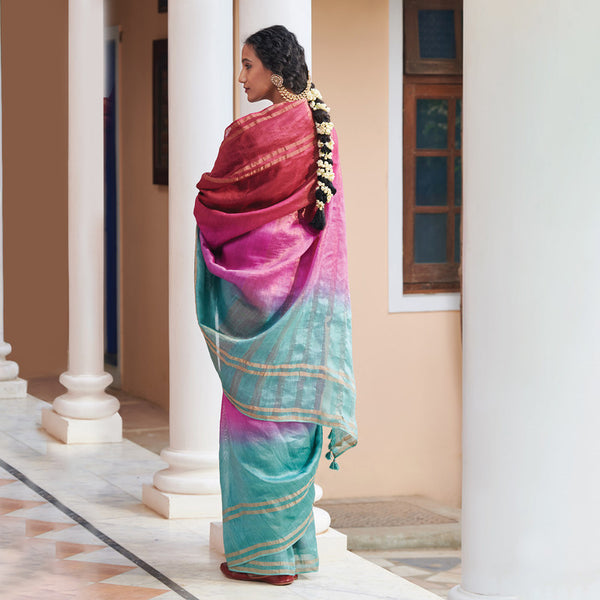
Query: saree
point(272, 302)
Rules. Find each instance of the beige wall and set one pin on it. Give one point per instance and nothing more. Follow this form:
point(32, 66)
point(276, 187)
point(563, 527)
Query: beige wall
point(143, 210)
point(34, 124)
point(407, 365)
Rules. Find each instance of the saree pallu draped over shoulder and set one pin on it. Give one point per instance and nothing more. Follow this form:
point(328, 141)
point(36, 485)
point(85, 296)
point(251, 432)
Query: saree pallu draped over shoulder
point(273, 304)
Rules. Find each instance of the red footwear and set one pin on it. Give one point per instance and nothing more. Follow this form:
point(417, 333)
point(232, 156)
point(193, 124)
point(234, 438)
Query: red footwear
point(272, 579)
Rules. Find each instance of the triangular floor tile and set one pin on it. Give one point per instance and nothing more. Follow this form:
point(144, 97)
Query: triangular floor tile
point(66, 549)
point(33, 528)
point(8, 505)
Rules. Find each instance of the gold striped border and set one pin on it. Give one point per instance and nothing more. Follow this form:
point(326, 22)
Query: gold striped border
point(247, 410)
point(289, 539)
point(340, 374)
point(246, 122)
point(273, 370)
point(266, 162)
point(303, 567)
point(268, 502)
point(262, 511)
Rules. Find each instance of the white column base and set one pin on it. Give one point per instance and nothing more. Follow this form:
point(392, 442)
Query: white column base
point(331, 545)
point(322, 520)
point(216, 537)
point(85, 397)
point(82, 431)
point(457, 593)
point(14, 388)
point(182, 506)
point(189, 473)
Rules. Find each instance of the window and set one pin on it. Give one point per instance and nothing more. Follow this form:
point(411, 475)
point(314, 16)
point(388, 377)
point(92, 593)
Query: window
point(432, 172)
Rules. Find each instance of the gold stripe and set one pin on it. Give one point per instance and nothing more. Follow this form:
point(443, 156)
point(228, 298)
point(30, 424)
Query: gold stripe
point(306, 141)
point(249, 412)
point(304, 564)
point(271, 373)
point(267, 502)
point(265, 510)
point(272, 111)
point(268, 160)
point(331, 421)
point(272, 370)
point(271, 543)
point(340, 374)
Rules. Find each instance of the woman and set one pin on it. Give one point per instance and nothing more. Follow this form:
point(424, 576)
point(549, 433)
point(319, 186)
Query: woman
point(272, 302)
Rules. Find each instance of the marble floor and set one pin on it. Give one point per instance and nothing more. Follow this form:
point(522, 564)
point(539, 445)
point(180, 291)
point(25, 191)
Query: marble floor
point(435, 569)
point(72, 525)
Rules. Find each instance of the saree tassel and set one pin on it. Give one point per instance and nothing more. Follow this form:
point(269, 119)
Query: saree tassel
point(328, 456)
point(334, 466)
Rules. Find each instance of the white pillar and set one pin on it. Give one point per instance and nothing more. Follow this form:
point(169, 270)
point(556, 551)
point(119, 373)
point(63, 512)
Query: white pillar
point(200, 108)
point(531, 489)
point(11, 386)
point(85, 414)
point(257, 14)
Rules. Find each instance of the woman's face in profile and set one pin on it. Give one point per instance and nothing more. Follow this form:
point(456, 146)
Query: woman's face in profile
point(256, 78)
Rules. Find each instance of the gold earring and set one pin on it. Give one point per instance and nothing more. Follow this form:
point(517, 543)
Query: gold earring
point(277, 80)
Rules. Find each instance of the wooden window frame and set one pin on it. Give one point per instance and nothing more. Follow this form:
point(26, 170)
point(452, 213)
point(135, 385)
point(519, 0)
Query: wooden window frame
point(413, 63)
point(429, 277)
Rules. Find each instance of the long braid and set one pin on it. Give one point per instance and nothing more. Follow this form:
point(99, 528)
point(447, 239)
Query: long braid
point(325, 175)
point(280, 52)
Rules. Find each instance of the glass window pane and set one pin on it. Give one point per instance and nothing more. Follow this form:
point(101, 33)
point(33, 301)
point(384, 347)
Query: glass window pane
point(458, 124)
point(457, 238)
point(432, 123)
point(430, 238)
point(457, 181)
point(436, 34)
point(432, 181)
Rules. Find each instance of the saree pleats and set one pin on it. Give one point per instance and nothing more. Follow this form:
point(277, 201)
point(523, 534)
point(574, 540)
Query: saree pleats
point(267, 485)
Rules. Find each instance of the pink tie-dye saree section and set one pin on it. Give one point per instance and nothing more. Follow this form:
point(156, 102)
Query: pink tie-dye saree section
point(272, 293)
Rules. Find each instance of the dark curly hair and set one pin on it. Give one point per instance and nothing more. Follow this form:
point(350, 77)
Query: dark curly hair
point(279, 51)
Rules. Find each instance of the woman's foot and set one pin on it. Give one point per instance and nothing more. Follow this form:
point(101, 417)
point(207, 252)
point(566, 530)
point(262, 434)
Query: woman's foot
point(272, 579)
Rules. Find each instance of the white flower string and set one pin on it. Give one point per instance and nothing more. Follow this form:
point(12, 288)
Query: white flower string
point(325, 161)
point(325, 175)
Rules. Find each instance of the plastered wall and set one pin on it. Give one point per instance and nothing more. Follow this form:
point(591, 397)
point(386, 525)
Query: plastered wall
point(34, 128)
point(407, 365)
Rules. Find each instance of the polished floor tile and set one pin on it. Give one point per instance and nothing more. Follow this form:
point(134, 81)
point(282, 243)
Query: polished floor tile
point(34, 565)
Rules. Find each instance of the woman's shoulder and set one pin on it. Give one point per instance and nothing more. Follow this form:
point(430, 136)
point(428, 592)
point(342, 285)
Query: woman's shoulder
point(274, 112)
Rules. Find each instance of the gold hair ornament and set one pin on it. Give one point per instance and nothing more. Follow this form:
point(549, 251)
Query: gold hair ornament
point(277, 81)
